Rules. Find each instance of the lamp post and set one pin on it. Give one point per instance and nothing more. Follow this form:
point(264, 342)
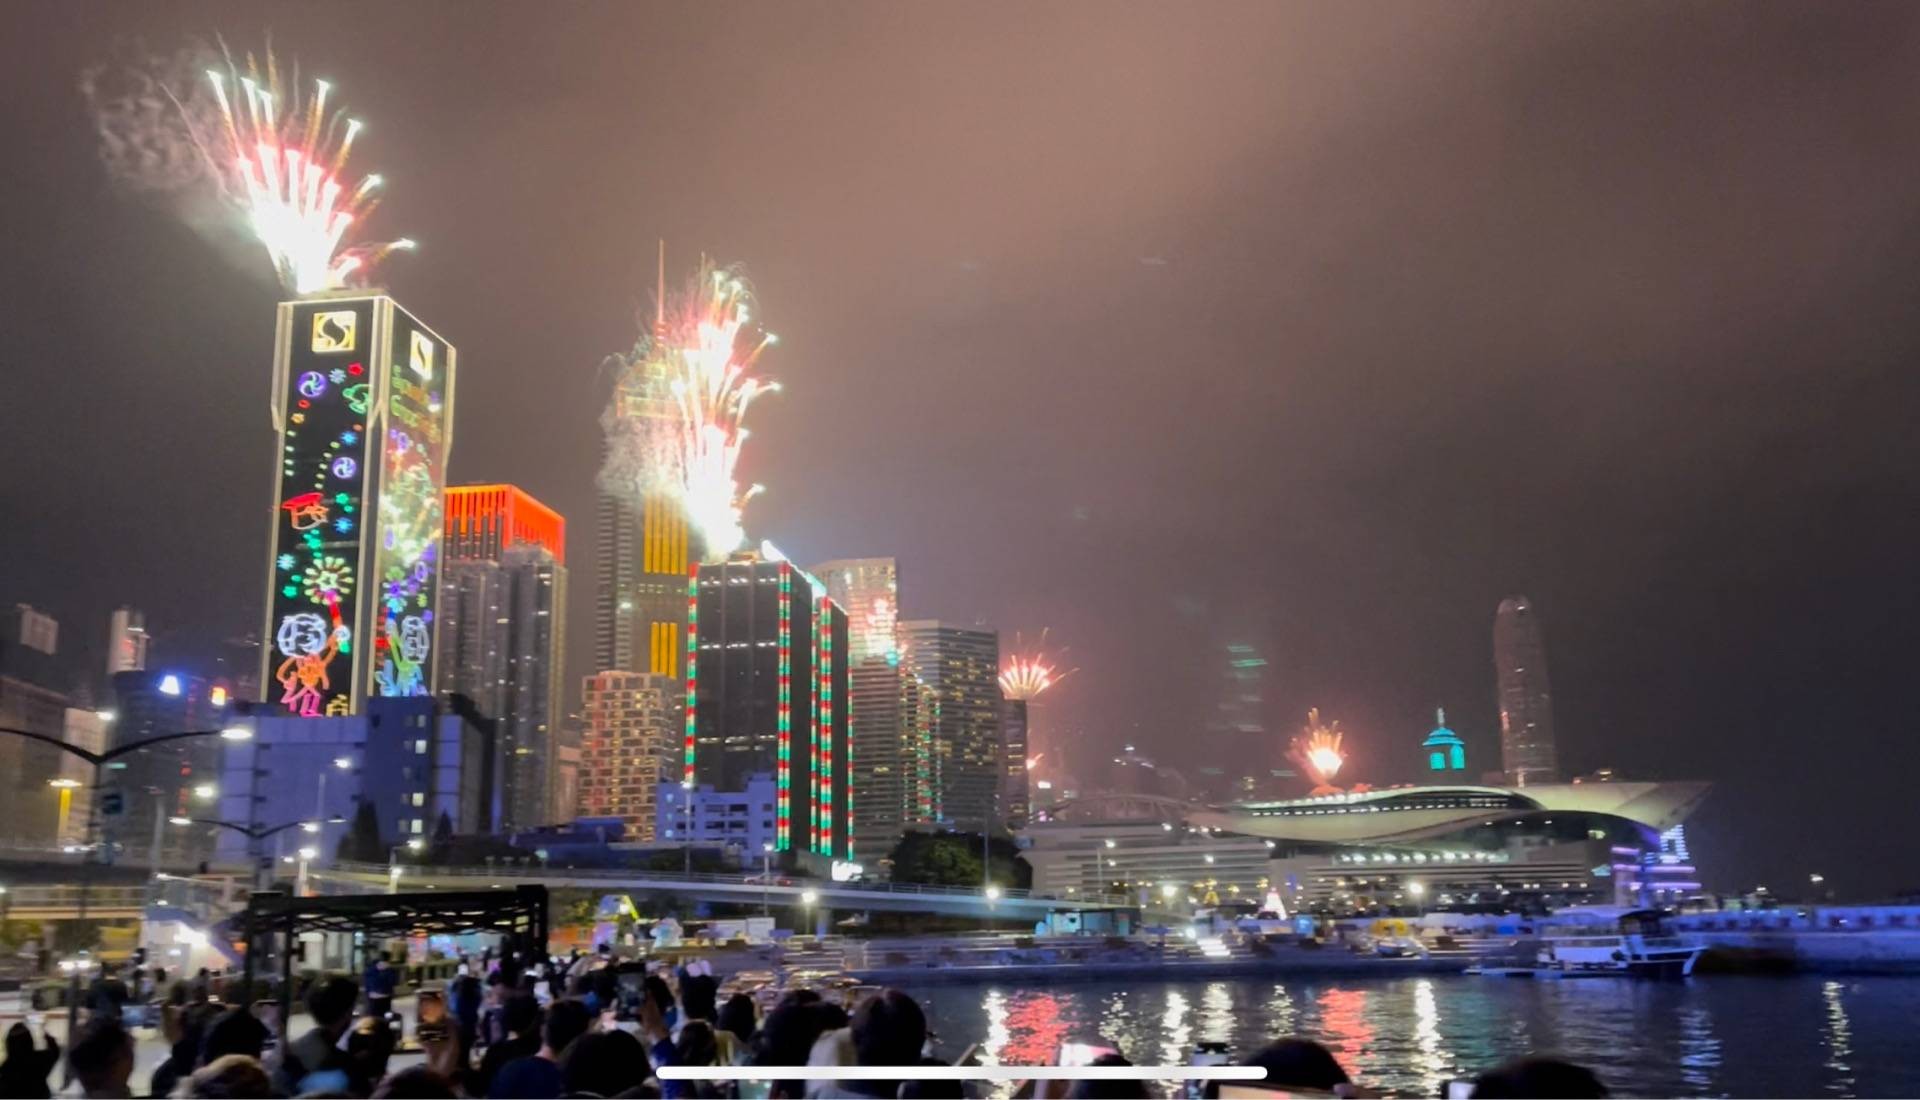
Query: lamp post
point(1416, 891)
point(807, 898)
point(766, 875)
point(100, 760)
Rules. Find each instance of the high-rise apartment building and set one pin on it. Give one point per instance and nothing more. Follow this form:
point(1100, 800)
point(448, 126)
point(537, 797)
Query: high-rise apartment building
point(961, 669)
point(1526, 703)
point(503, 630)
point(32, 811)
point(626, 747)
point(868, 589)
point(126, 642)
point(767, 692)
point(363, 400)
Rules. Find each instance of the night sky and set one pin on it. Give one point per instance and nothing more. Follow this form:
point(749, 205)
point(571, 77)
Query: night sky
point(1316, 327)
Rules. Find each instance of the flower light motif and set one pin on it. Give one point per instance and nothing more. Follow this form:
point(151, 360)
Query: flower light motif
point(343, 525)
point(328, 579)
point(287, 561)
point(337, 375)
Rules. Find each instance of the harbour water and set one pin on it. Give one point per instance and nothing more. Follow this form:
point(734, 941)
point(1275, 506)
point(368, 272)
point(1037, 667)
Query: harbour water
point(1704, 1036)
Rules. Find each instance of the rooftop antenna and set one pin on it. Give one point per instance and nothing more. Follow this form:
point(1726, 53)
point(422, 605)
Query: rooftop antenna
point(660, 295)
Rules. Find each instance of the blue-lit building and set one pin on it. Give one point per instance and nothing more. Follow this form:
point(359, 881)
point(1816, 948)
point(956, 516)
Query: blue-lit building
point(705, 815)
point(407, 757)
point(1445, 751)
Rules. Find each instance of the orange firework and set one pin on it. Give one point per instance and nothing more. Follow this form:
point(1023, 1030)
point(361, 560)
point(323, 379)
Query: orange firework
point(1317, 750)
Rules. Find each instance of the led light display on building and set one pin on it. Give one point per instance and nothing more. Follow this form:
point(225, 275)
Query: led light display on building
point(363, 399)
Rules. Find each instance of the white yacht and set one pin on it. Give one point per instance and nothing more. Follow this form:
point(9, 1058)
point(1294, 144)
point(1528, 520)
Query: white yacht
point(1613, 939)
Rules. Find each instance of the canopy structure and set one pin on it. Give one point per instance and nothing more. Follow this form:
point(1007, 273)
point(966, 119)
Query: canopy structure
point(520, 914)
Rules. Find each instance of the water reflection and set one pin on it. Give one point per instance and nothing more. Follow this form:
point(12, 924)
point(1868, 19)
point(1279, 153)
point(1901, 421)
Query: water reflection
point(1430, 1060)
point(1837, 1036)
point(1713, 1035)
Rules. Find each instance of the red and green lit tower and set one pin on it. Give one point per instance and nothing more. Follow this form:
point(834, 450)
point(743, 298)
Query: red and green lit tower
point(767, 693)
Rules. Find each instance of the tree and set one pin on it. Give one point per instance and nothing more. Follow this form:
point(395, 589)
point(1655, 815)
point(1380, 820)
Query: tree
point(363, 844)
point(953, 859)
point(442, 844)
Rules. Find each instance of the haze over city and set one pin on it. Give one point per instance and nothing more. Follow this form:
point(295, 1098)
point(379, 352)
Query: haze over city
point(1316, 330)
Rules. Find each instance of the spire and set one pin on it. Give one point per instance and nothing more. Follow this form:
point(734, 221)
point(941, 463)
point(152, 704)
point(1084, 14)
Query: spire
point(1440, 717)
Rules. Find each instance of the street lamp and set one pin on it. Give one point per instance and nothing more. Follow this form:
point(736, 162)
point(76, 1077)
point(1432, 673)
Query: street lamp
point(766, 874)
point(1416, 891)
point(993, 894)
point(237, 733)
point(205, 792)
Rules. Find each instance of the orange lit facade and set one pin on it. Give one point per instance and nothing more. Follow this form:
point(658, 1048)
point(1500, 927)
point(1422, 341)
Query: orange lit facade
point(484, 520)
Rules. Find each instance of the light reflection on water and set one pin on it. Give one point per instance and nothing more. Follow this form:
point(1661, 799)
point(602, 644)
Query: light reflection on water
point(1724, 1035)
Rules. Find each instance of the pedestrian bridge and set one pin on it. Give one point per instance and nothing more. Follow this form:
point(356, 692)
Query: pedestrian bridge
point(739, 889)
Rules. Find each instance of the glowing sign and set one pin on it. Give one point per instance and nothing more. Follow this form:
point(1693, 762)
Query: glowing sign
point(313, 384)
point(335, 331)
point(420, 354)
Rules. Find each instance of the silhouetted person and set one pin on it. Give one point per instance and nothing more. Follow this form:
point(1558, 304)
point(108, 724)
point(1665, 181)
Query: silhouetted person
point(314, 1062)
point(25, 1071)
point(228, 1077)
point(102, 1059)
point(605, 1063)
point(1108, 1090)
point(1299, 1064)
point(539, 1077)
point(520, 1016)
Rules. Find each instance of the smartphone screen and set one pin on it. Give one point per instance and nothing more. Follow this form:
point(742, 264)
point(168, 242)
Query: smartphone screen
point(1082, 1054)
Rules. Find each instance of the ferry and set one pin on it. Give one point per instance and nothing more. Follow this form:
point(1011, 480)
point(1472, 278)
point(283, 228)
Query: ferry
point(1597, 941)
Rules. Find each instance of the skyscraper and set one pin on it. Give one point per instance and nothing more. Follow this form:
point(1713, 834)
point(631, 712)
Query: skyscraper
point(868, 589)
point(172, 779)
point(1013, 762)
point(767, 692)
point(961, 670)
point(502, 633)
point(1526, 702)
point(626, 747)
point(363, 400)
point(640, 610)
point(126, 642)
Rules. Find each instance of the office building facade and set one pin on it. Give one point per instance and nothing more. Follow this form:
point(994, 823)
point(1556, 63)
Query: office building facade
point(409, 759)
point(503, 630)
point(645, 544)
point(363, 401)
point(768, 693)
point(960, 668)
point(1527, 751)
point(868, 589)
point(747, 819)
point(627, 747)
point(126, 642)
point(1012, 810)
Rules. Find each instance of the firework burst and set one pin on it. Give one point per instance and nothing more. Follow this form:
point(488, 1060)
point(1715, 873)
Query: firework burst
point(269, 144)
point(1030, 672)
point(691, 382)
point(1317, 751)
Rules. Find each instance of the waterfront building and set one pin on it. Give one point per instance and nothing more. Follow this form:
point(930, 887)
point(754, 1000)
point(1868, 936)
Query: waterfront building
point(960, 667)
point(627, 742)
point(767, 693)
point(127, 640)
point(1527, 751)
point(1444, 750)
point(746, 819)
point(363, 403)
point(503, 632)
point(1155, 857)
point(1468, 847)
point(868, 589)
point(410, 759)
point(565, 799)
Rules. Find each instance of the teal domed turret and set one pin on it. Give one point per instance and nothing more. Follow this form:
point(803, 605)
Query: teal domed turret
point(1445, 751)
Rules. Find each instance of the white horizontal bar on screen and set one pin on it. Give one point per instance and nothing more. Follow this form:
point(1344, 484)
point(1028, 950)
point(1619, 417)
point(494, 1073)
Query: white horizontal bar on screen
point(961, 1073)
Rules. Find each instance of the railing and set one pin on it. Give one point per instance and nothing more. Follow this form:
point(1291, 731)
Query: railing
point(618, 874)
point(67, 897)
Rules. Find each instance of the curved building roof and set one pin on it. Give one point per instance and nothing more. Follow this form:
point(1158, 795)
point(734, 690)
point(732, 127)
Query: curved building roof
point(1411, 813)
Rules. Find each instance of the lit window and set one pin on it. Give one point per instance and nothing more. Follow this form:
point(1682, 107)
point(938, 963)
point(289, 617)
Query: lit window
point(417, 825)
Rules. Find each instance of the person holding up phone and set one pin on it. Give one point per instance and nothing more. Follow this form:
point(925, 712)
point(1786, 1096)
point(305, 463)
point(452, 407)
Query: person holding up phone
point(25, 1071)
point(314, 1062)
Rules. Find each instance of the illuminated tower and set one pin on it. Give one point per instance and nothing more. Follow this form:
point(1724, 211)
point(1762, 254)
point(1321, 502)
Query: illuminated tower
point(869, 590)
point(1526, 702)
point(767, 692)
point(502, 633)
point(644, 546)
point(1444, 750)
point(363, 402)
point(961, 670)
